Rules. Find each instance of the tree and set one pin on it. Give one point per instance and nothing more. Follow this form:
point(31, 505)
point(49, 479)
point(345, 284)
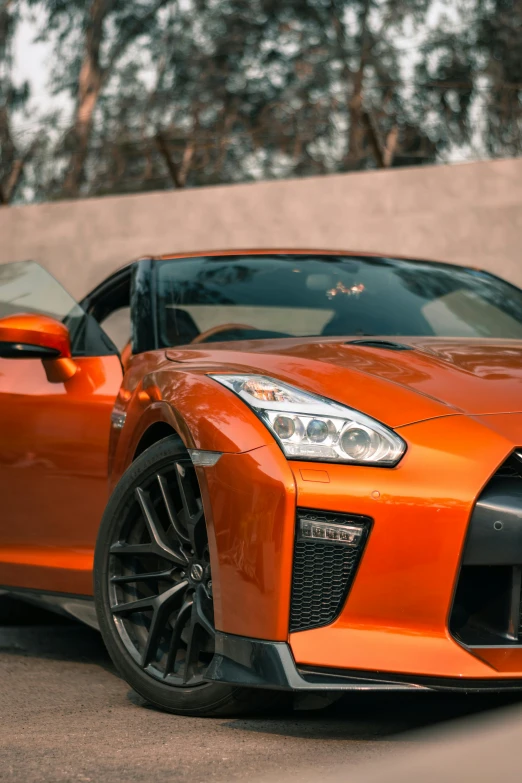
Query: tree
point(469, 81)
point(499, 42)
point(14, 153)
point(263, 88)
point(92, 38)
point(171, 93)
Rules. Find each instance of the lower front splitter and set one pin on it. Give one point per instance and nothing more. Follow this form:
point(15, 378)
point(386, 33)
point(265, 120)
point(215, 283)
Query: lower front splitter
point(255, 663)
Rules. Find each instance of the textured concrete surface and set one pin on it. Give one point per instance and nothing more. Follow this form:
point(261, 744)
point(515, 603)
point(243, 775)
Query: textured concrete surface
point(482, 749)
point(467, 214)
point(66, 716)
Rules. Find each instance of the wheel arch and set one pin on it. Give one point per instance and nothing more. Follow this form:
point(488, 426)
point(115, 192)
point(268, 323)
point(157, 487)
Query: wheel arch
point(154, 433)
point(142, 430)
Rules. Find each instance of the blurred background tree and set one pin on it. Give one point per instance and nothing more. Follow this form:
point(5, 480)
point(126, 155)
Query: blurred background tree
point(499, 42)
point(15, 152)
point(182, 93)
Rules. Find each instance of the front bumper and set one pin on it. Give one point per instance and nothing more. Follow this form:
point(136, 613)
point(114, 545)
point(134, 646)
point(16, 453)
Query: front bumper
point(395, 621)
point(252, 663)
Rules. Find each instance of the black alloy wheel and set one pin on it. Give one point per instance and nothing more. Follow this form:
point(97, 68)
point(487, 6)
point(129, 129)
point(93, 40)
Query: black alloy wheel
point(160, 587)
point(153, 587)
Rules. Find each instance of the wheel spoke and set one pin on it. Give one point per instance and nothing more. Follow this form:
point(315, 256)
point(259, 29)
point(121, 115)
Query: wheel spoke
point(121, 548)
point(164, 606)
point(126, 578)
point(167, 499)
point(135, 606)
point(199, 615)
point(192, 511)
point(176, 637)
point(200, 627)
point(193, 650)
point(188, 499)
point(154, 528)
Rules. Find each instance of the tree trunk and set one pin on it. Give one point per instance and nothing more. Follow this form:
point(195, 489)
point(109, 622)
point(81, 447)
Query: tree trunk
point(8, 188)
point(392, 141)
point(91, 81)
point(357, 130)
point(178, 172)
point(89, 86)
point(383, 153)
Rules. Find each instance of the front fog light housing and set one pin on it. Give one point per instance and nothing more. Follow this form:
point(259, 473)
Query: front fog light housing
point(311, 427)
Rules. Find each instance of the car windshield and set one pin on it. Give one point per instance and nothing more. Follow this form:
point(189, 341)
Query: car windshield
point(244, 297)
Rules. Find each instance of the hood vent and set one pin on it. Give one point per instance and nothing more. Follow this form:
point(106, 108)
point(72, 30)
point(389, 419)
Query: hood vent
point(386, 345)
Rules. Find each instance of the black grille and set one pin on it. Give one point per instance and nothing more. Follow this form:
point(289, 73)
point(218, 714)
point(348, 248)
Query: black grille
point(323, 573)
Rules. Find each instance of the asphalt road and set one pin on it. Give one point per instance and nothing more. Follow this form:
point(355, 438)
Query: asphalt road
point(66, 716)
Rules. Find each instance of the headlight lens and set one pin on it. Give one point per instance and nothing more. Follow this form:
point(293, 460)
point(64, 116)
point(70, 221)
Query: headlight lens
point(312, 427)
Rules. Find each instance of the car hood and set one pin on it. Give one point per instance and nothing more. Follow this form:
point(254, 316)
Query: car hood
point(396, 380)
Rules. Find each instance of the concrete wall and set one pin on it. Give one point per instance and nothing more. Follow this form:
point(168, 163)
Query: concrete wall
point(468, 214)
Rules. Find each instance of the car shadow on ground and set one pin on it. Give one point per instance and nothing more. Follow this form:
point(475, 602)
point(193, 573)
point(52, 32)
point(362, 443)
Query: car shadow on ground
point(374, 716)
point(355, 716)
point(32, 632)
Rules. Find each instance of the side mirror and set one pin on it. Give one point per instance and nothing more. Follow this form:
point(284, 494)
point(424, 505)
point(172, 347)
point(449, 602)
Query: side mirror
point(31, 336)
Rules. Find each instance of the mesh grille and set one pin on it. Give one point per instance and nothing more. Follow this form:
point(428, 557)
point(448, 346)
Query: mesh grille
point(323, 572)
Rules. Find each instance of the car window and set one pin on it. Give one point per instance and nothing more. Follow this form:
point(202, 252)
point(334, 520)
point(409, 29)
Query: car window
point(465, 313)
point(304, 318)
point(249, 297)
point(117, 325)
point(26, 287)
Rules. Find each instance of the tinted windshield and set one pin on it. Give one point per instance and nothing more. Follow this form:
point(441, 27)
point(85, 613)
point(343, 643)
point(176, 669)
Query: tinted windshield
point(254, 297)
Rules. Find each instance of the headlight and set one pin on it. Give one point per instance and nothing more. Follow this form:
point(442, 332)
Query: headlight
point(312, 427)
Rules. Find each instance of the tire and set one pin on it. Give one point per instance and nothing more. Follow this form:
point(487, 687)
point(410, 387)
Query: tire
point(153, 645)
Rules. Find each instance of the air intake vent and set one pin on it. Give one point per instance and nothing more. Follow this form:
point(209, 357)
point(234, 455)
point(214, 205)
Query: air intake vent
point(327, 551)
point(487, 609)
point(512, 467)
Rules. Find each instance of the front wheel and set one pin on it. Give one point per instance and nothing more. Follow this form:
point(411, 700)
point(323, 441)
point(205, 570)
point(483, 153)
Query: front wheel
point(153, 587)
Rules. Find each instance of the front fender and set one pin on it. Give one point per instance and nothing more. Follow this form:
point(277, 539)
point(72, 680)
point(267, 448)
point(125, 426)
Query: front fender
point(203, 413)
point(248, 496)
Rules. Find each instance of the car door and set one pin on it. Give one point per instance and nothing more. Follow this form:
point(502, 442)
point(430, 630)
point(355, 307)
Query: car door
point(54, 437)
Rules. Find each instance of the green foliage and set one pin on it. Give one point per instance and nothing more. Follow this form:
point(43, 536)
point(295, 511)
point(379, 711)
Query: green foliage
point(13, 98)
point(199, 92)
point(499, 42)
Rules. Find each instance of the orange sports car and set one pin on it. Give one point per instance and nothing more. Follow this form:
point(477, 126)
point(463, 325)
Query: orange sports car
point(269, 471)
